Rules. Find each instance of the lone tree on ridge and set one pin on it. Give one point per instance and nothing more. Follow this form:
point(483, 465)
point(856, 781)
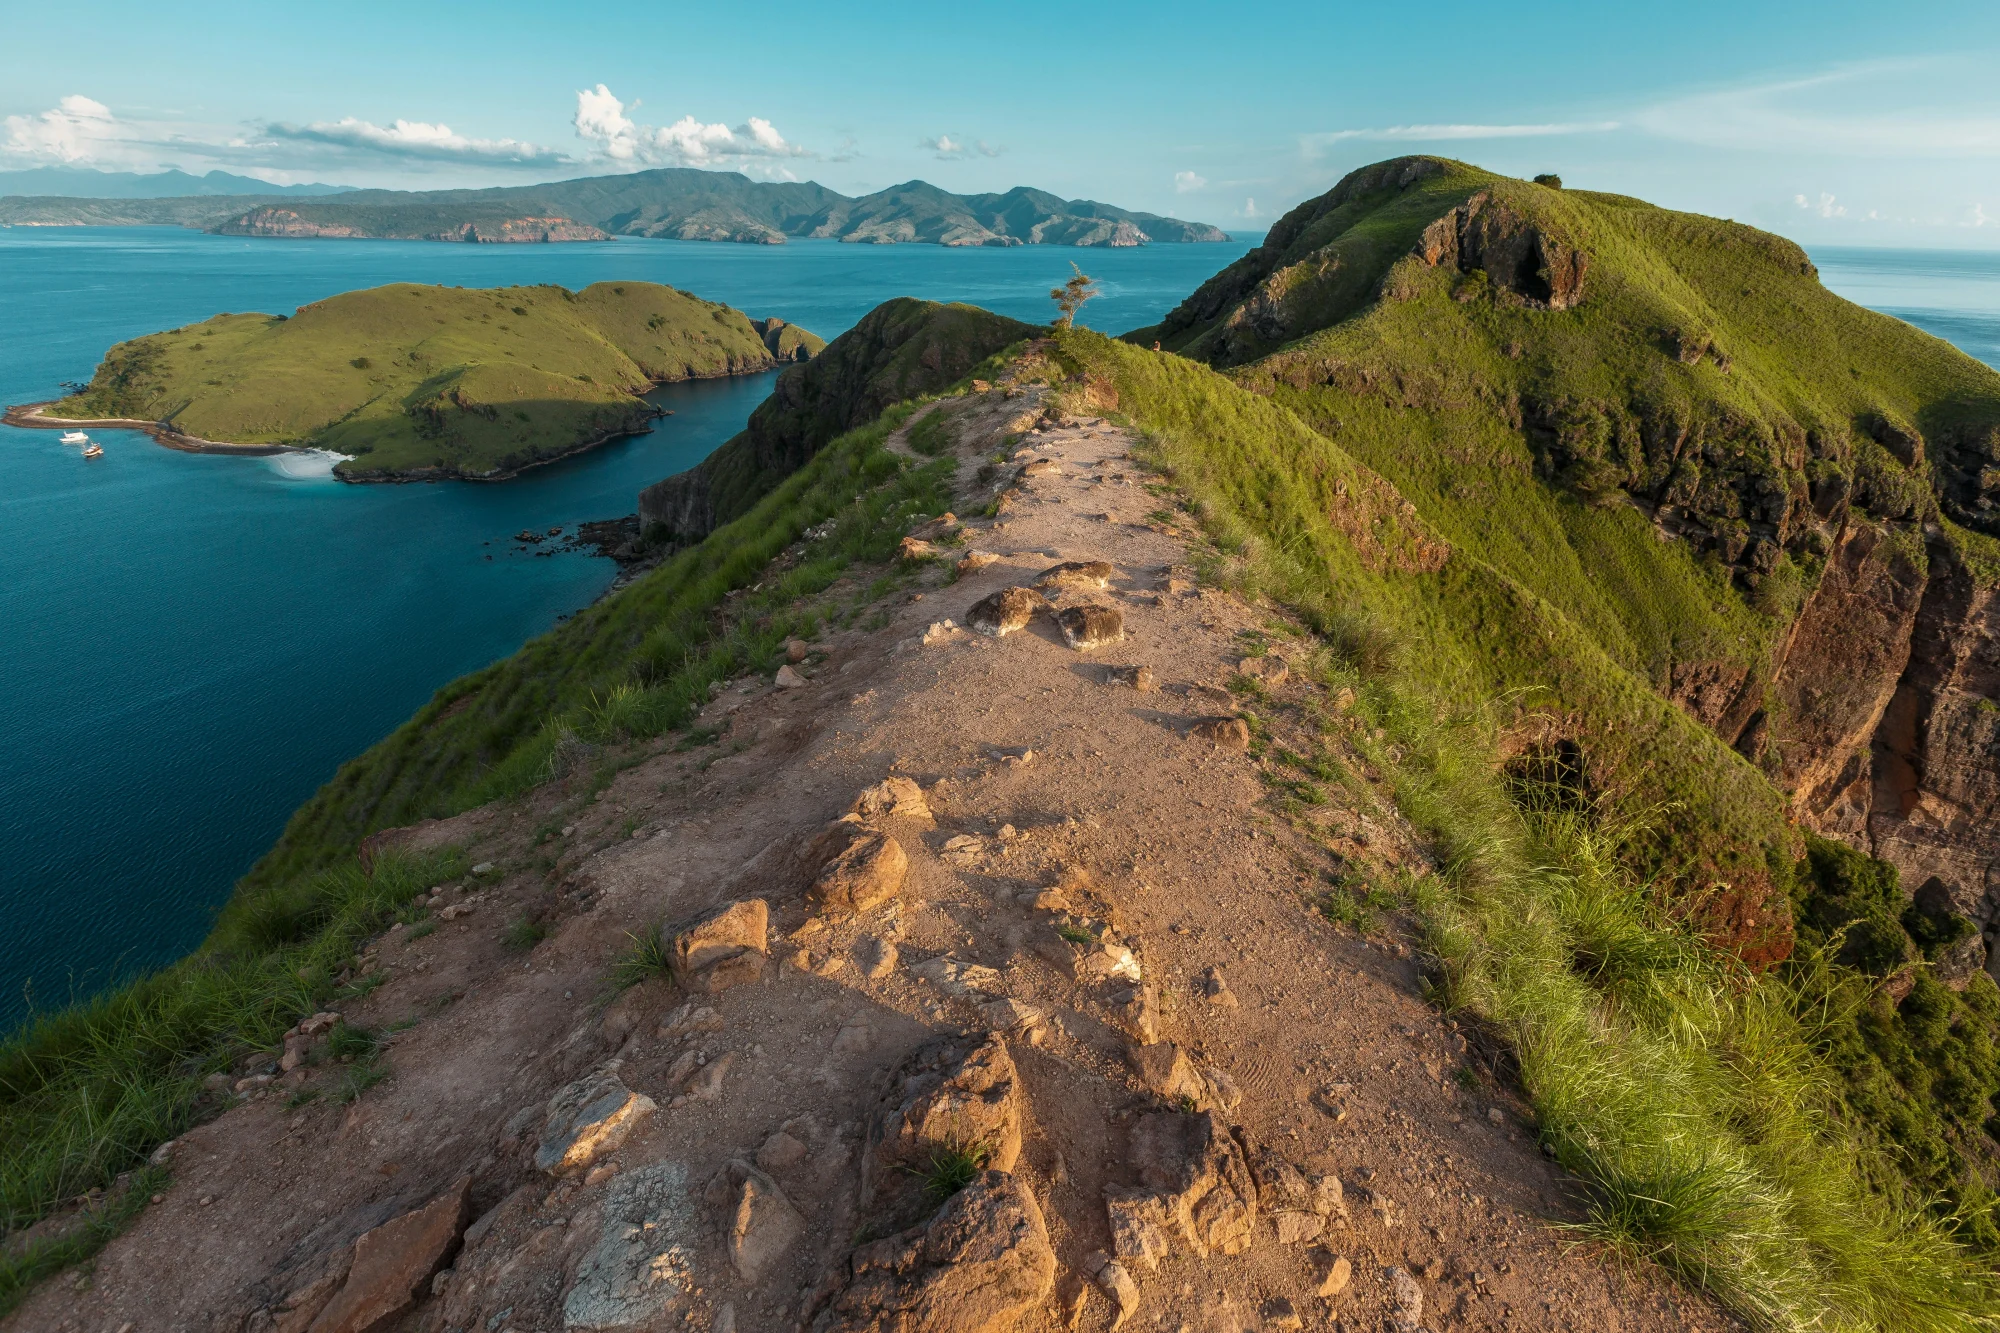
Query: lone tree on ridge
point(1069, 297)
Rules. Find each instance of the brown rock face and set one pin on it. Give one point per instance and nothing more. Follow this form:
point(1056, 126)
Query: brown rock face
point(952, 1094)
point(981, 1265)
point(726, 946)
point(1199, 1178)
point(1515, 254)
point(393, 1263)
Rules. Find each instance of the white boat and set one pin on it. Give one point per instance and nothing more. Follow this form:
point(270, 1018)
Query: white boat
point(93, 451)
point(75, 437)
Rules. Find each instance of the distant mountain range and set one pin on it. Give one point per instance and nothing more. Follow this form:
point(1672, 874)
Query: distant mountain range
point(675, 203)
point(88, 183)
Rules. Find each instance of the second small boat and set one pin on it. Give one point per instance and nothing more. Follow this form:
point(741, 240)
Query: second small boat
point(93, 451)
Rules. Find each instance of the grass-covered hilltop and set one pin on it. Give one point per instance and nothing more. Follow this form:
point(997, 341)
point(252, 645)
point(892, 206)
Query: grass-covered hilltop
point(412, 381)
point(1645, 586)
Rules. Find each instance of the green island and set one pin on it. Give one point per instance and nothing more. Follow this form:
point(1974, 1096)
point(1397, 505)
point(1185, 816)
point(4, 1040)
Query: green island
point(1632, 568)
point(416, 382)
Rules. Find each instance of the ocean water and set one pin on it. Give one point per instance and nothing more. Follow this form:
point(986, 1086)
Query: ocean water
point(1954, 294)
point(191, 644)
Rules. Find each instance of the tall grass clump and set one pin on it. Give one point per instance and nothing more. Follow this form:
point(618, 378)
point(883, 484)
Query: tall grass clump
point(90, 1091)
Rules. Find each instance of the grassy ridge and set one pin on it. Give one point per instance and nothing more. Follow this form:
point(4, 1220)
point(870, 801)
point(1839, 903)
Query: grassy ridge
point(1692, 1096)
point(409, 379)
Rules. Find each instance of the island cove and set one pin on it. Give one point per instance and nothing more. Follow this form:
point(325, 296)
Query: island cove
point(411, 382)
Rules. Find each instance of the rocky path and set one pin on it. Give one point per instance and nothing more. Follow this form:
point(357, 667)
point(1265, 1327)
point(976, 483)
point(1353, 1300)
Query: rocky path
point(984, 919)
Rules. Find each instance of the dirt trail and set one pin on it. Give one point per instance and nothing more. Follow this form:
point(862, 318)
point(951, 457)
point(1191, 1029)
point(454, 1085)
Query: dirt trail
point(1040, 777)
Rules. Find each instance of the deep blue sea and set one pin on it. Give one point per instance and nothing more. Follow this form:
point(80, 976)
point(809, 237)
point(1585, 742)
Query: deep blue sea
point(190, 644)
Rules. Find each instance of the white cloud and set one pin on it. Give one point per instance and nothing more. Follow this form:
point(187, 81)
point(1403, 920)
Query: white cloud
point(602, 122)
point(417, 139)
point(947, 148)
point(1249, 209)
point(1186, 182)
point(1436, 133)
point(77, 129)
point(1979, 217)
point(1906, 108)
point(1825, 206)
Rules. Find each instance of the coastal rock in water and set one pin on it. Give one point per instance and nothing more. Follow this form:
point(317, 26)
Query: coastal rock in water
point(982, 1264)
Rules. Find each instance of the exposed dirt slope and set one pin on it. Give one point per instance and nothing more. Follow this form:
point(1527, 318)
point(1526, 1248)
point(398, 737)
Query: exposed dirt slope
point(710, 1156)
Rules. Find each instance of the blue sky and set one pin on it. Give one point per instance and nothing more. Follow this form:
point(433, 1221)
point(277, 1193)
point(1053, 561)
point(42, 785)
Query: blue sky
point(1832, 122)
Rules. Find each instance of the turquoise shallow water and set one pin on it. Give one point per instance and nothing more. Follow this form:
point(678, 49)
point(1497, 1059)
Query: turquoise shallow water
point(190, 645)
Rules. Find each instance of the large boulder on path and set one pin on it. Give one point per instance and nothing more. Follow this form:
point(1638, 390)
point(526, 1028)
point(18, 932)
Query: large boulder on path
point(981, 1264)
point(1199, 1178)
point(586, 1120)
point(724, 948)
point(855, 869)
point(393, 1265)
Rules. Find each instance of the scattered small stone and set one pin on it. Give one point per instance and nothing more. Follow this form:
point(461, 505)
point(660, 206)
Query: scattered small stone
point(690, 1017)
point(1269, 669)
point(707, 1085)
point(1496, 1115)
point(1116, 1283)
point(1408, 1296)
point(975, 560)
point(1087, 627)
point(1227, 733)
point(1334, 1275)
point(781, 1152)
point(1004, 612)
point(854, 1037)
point(893, 796)
point(456, 911)
point(875, 956)
point(1281, 1313)
point(1042, 467)
point(796, 650)
point(483, 868)
point(788, 679)
point(859, 869)
point(1139, 678)
point(939, 631)
point(1215, 989)
point(915, 548)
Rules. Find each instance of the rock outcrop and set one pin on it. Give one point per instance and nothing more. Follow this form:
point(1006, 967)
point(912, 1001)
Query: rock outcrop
point(899, 350)
point(980, 1265)
point(1516, 254)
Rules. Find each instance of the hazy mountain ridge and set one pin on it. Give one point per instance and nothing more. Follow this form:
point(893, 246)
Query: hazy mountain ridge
point(89, 183)
point(673, 203)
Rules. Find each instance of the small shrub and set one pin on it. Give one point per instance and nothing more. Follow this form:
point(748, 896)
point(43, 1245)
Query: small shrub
point(950, 1167)
point(361, 363)
point(645, 957)
point(522, 934)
